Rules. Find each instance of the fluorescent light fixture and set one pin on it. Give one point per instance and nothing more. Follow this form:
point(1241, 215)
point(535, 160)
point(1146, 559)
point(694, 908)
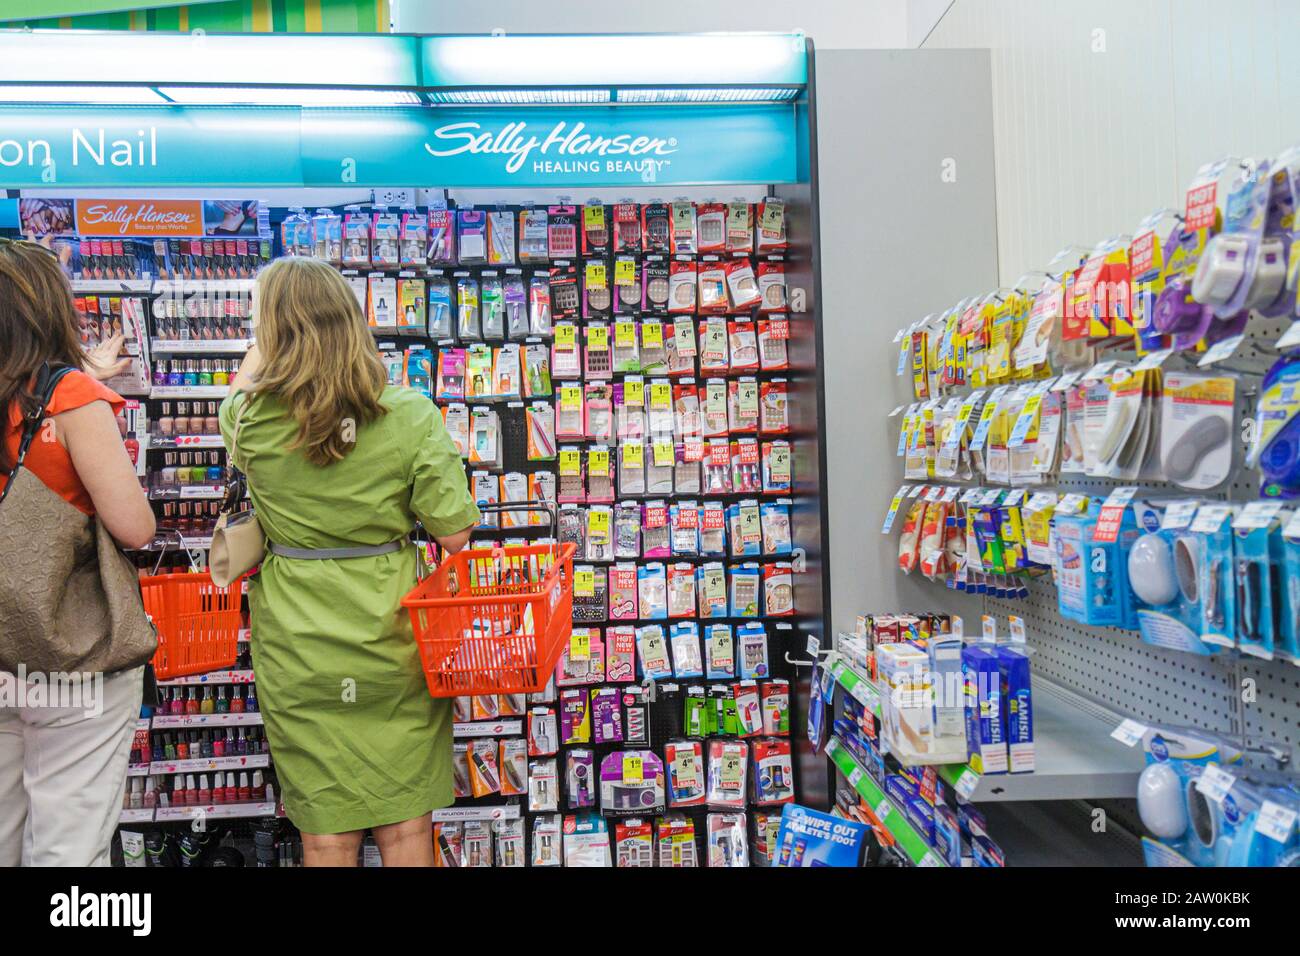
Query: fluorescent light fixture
point(129, 95)
point(156, 59)
point(737, 94)
point(292, 96)
point(712, 59)
point(518, 97)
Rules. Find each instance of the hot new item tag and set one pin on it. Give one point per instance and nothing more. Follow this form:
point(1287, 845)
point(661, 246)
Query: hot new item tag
point(1112, 514)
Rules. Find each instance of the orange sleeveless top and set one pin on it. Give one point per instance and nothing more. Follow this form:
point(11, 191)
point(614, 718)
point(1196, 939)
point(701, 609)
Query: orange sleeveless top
point(48, 460)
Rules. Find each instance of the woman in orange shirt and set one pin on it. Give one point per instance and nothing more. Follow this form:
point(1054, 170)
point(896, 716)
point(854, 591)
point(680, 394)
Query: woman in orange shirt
point(62, 761)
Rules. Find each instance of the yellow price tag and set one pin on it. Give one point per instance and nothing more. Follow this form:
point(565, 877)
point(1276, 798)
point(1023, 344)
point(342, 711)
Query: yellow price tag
point(652, 335)
point(598, 462)
point(633, 455)
point(566, 335)
point(579, 644)
point(664, 454)
point(661, 395)
point(624, 272)
point(598, 524)
point(633, 393)
point(595, 275)
point(593, 217)
point(570, 398)
point(584, 582)
point(570, 462)
point(598, 337)
point(625, 334)
point(632, 769)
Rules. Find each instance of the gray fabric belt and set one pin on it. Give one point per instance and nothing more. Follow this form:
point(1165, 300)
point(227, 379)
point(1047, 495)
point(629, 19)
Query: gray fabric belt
point(336, 554)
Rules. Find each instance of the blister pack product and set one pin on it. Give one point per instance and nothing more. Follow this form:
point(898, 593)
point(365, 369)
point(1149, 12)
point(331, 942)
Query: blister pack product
point(684, 763)
point(634, 843)
point(606, 715)
point(727, 773)
point(684, 638)
point(547, 841)
point(543, 786)
point(579, 777)
point(631, 782)
point(772, 775)
point(652, 653)
point(751, 640)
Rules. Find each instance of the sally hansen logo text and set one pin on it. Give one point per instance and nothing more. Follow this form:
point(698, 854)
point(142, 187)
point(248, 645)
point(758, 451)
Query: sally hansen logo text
point(514, 140)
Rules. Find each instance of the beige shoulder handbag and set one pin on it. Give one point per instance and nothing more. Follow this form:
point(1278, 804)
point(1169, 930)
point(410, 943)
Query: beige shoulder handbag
point(238, 543)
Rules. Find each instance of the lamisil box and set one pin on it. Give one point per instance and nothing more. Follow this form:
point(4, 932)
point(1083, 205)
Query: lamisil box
point(1017, 708)
point(905, 711)
point(983, 686)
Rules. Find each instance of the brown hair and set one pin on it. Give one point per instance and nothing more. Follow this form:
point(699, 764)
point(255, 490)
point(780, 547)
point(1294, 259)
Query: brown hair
point(318, 356)
point(38, 323)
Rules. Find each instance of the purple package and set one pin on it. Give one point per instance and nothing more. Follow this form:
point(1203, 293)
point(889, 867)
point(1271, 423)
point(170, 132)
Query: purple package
point(606, 716)
point(631, 781)
point(575, 720)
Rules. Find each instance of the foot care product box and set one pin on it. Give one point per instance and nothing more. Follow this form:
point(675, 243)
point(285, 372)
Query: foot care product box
point(1017, 708)
point(983, 687)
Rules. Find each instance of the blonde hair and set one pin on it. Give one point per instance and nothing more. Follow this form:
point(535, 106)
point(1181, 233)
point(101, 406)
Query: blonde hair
point(317, 355)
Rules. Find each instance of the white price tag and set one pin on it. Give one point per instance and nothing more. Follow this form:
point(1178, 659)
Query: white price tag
point(950, 494)
point(894, 413)
point(832, 746)
point(1179, 514)
point(814, 646)
point(1220, 351)
point(1275, 821)
point(1153, 360)
point(855, 777)
point(883, 809)
point(967, 782)
point(862, 693)
point(1017, 629)
point(957, 627)
point(1215, 782)
point(1129, 732)
point(970, 494)
point(934, 493)
point(1291, 337)
point(1210, 518)
point(929, 861)
point(1071, 504)
point(917, 491)
point(1067, 380)
point(1256, 514)
point(1014, 497)
point(1100, 371)
point(989, 628)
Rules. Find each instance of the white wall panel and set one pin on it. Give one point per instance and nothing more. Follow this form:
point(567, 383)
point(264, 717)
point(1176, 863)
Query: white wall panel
point(1103, 110)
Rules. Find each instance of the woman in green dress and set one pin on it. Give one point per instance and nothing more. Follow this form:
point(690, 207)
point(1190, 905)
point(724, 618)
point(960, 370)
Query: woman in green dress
point(335, 459)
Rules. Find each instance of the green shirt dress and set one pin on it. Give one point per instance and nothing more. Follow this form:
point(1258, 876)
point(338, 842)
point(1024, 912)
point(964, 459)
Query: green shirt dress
point(355, 738)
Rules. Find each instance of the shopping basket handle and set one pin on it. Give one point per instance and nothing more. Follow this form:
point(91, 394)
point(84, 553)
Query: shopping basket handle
point(548, 507)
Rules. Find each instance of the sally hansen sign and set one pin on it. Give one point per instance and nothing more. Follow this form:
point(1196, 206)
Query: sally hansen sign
point(563, 145)
point(87, 147)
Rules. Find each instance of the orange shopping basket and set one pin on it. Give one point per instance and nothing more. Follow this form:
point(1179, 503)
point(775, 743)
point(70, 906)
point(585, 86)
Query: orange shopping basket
point(494, 620)
point(198, 622)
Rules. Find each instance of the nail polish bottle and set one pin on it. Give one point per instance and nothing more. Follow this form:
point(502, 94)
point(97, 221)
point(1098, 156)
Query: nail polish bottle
point(192, 701)
point(230, 746)
point(241, 745)
point(209, 703)
point(160, 375)
point(136, 798)
point(259, 786)
point(236, 701)
point(219, 374)
point(222, 702)
point(175, 373)
point(169, 747)
point(250, 702)
point(191, 790)
point(205, 745)
point(191, 376)
point(156, 748)
point(166, 423)
point(212, 423)
point(205, 373)
point(178, 791)
point(215, 468)
point(244, 792)
point(150, 794)
point(219, 788)
point(177, 706)
point(205, 790)
point(182, 747)
point(232, 788)
point(218, 745)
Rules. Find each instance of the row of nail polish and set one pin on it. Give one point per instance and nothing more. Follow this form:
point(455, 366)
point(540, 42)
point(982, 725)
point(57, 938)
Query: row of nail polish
point(223, 699)
point(198, 790)
point(200, 744)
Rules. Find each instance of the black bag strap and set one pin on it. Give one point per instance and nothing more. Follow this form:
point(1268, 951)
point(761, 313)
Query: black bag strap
point(47, 380)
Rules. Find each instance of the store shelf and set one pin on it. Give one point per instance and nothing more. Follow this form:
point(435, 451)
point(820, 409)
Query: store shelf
point(184, 442)
point(174, 721)
point(212, 677)
point(185, 542)
point(216, 811)
point(138, 770)
point(117, 286)
point(910, 843)
point(208, 764)
point(188, 493)
point(191, 286)
point(189, 391)
point(138, 815)
point(859, 686)
point(1075, 757)
point(494, 811)
point(488, 728)
point(199, 346)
